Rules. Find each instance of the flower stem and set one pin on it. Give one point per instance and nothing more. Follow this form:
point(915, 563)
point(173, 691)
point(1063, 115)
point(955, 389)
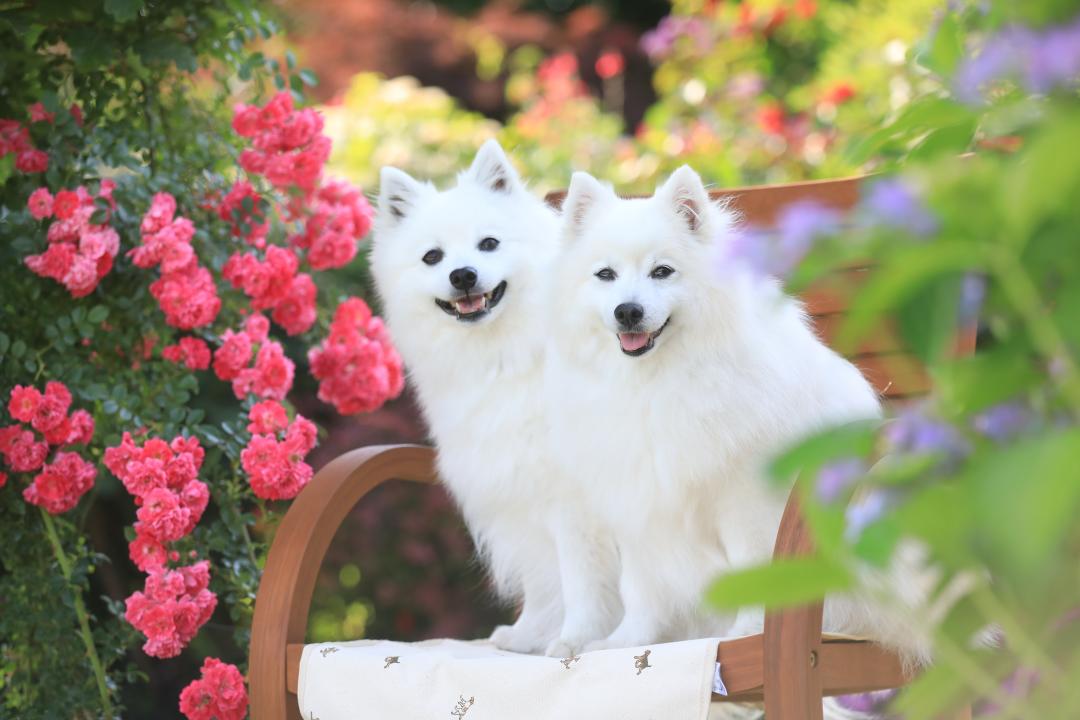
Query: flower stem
point(1046, 337)
point(80, 611)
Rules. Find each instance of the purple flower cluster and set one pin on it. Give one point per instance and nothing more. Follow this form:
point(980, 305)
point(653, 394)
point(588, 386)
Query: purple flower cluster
point(658, 42)
point(1038, 60)
point(777, 253)
point(865, 510)
point(837, 476)
point(1004, 421)
point(913, 432)
point(894, 203)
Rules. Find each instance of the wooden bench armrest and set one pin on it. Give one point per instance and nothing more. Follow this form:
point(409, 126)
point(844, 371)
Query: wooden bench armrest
point(297, 552)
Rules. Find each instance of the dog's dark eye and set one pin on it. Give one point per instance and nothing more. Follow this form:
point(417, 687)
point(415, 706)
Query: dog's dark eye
point(432, 257)
point(661, 271)
point(606, 274)
point(488, 244)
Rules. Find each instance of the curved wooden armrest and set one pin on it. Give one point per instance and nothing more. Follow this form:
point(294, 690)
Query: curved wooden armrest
point(297, 552)
point(792, 639)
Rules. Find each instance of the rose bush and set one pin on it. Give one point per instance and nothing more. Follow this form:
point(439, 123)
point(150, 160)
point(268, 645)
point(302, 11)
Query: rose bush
point(160, 243)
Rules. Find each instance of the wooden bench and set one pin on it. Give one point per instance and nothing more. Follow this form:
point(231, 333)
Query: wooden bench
point(790, 666)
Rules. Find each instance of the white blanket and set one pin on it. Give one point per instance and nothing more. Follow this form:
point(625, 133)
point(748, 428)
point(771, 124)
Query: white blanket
point(457, 680)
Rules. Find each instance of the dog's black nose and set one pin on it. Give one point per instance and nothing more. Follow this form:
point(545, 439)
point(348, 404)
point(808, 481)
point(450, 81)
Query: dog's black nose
point(629, 314)
point(463, 278)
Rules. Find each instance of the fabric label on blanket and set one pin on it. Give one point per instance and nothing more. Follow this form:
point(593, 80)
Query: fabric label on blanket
point(718, 682)
point(476, 681)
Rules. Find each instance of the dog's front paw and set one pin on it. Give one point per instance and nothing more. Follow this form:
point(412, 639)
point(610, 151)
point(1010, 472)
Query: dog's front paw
point(512, 639)
point(564, 648)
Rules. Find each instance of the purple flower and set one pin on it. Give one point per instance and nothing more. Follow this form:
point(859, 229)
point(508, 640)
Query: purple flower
point(658, 42)
point(866, 702)
point(1003, 422)
point(1041, 61)
point(864, 511)
point(892, 202)
point(837, 476)
point(915, 433)
point(777, 252)
point(972, 293)
point(1055, 59)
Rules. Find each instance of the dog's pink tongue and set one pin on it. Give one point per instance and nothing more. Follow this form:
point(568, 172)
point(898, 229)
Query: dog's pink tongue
point(469, 305)
point(633, 341)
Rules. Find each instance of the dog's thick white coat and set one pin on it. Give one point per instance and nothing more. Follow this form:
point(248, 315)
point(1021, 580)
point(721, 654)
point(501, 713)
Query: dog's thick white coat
point(669, 447)
point(480, 382)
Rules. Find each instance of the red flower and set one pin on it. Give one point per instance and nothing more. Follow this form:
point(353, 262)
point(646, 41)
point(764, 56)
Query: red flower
point(146, 552)
point(276, 470)
point(257, 327)
point(61, 483)
point(771, 119)
point(52, 410)
point(82, 428)
point(218, 695)
point(40, 203)
point(38, 113)
point(296, 312)
point(267, 417)
point(24, 402)
point(806, 8)
point(839, 93)
point(65, 204)
point(194, 353)
point(54, 263)
point(162, 516)
point(272, 376)
point(357, 366)
point(171, 608)
point(610, 64)
point(32, 161)
point(233, 356)
point(23, 453)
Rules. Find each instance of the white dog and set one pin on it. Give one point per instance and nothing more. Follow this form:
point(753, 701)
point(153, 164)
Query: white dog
point(675, 387)
point(463, 278)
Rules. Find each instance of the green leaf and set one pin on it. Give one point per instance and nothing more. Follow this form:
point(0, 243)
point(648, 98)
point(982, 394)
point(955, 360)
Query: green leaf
point(162, 48)
point(123, 10)
point(7, 166)
point(928, 319)
point(877, 541)
point(290, 59)
point(970, 384)
point(98, 314)
point(945, 48)
point(783, 583)
point(852, 439)
point(1026, 498)
point(309, 78)
point(906, 272)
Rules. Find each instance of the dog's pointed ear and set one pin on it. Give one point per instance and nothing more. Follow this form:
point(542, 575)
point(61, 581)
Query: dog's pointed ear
point(491, 169)
point(584, 194)
point(398, 194)
point(685, 194)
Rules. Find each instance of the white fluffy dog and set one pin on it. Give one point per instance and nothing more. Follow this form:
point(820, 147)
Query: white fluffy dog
point(675, 386)
point(463, 278)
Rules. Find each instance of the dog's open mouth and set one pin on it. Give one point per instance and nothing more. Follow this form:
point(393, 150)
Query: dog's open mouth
point(639, 343)
point(468, 308)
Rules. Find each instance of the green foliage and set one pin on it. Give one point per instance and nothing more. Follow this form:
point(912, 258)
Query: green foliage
point(150, 125)
point(988, 485)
